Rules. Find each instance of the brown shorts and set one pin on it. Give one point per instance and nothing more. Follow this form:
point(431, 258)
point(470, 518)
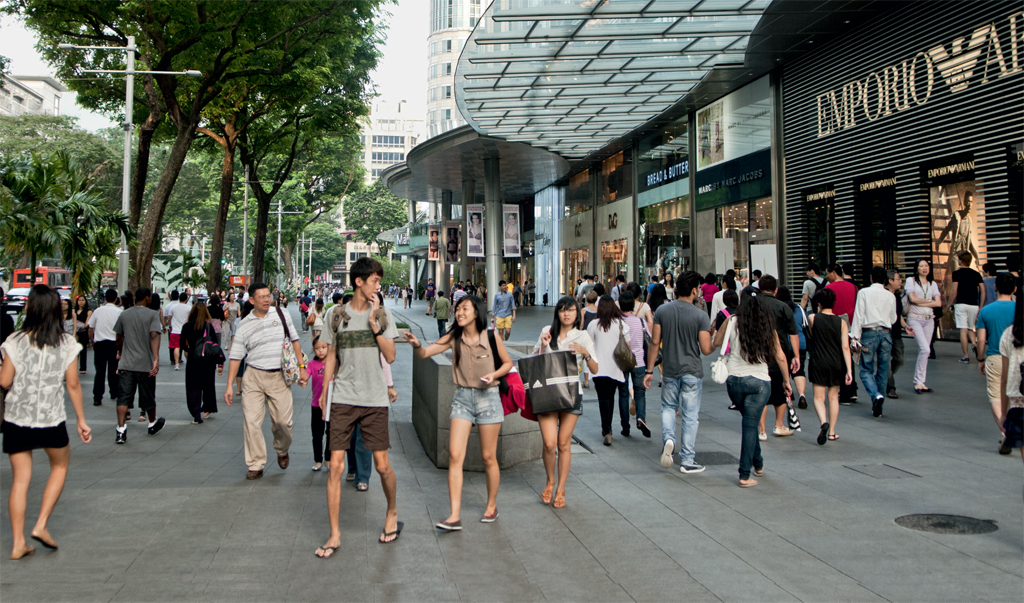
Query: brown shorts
point(372, 420)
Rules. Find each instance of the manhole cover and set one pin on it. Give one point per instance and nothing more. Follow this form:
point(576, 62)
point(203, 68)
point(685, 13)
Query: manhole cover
point(946, 524)
point(716, 458)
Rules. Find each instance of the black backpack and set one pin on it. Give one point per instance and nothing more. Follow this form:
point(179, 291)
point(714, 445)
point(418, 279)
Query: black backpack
point(819, 284)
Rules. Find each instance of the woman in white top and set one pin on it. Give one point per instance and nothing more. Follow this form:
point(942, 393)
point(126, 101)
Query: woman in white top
point(604, 332)
point(38, 361)
point(670, 286)
point(316, 318)
point(556, 427)
point(231, 311)
point(752, 344)
point(1011, 348)
point(718, 299)
point(923, 295)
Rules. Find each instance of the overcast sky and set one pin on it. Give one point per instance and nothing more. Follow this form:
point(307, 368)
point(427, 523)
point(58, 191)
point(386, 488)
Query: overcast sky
point(401, 73)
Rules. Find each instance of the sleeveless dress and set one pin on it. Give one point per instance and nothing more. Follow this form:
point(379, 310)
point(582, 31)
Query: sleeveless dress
point(827, 365)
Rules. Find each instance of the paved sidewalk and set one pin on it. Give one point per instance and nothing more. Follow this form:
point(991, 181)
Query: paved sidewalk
point(171, 517)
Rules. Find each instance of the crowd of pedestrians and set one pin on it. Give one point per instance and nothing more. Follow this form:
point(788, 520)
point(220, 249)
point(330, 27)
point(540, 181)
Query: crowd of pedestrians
point(770, 348)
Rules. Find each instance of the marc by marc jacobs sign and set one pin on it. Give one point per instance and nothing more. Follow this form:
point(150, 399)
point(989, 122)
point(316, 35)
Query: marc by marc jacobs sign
point(914, 80)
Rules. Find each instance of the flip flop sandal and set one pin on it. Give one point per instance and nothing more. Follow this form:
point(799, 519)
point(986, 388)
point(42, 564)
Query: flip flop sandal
point(750, 483)
point(396, 534)
point(759, 472)
point(545, 496)
point(330, 550)
point(50, 545)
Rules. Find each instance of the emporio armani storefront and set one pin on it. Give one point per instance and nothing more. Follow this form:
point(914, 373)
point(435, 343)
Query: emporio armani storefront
point(755, 134)
point(903, 140)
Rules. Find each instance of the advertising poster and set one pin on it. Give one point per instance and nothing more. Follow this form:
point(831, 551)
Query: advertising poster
point(510, 230)
point(453, 239)
point(710, 136)
point(958, 224)
point(433, 241)
point(475, 231)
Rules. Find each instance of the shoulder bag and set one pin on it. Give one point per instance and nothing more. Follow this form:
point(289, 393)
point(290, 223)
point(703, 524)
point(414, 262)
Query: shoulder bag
point(720, 368)
point(289, 361)
point(624, 357)
point(510, 387)
point(649, 345)
point(208, 349)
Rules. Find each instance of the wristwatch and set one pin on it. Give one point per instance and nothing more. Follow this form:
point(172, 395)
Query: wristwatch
point(379, 333)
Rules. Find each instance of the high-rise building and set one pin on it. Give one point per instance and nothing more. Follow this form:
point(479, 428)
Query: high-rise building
point(451, 22)
point(30, 94)
point(388, 135)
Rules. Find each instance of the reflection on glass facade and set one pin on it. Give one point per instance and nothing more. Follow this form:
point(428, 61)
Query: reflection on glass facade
point(732, 222)
point(617, 177)
point(546, 211)
point(665, 238)
point(735, 125)
point(578, 199)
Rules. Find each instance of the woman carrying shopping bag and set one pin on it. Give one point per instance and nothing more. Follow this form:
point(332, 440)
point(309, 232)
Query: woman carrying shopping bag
point(477, 400)
point(556, 427)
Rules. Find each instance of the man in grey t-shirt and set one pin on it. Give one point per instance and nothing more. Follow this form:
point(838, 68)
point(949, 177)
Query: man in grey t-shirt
point(138, 331)
point(684, 331)
point(358, 340)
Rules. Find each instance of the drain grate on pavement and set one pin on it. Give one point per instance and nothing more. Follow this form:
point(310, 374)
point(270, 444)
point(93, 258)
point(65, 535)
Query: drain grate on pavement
point(715, 458)
point(946, 524)
point(881, 471)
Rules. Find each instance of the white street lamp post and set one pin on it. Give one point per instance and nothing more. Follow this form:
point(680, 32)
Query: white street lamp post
point(129, 71)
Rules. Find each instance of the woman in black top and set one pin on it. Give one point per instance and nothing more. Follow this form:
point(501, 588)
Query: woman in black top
point(829, 357)
point(82, 315)
point(217, 318)
point(200, 383)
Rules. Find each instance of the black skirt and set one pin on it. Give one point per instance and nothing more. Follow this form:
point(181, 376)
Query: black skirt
point(19, 439)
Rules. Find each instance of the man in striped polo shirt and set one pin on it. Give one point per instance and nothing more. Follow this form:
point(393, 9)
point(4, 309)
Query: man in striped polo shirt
point(258, 340)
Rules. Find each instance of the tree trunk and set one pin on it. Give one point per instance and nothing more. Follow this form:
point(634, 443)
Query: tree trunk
point(227, 181)
point(142, 165)
point(259, 243)
point(148, 234)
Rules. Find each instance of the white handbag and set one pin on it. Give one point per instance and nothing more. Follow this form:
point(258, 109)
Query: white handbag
point(719, 368)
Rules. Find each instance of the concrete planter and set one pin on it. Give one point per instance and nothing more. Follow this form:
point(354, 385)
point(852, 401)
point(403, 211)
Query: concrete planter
point(433, 390)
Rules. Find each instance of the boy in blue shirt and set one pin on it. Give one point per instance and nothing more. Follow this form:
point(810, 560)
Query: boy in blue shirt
point(993, 319)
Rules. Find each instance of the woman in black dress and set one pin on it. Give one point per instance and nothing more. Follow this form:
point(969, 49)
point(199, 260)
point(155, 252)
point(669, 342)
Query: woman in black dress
point(82, 315)
point(829, 359)
point(217, 318)
point(200, 382)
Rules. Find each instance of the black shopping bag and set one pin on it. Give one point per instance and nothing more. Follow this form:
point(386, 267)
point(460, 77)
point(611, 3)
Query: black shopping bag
point(551, 381)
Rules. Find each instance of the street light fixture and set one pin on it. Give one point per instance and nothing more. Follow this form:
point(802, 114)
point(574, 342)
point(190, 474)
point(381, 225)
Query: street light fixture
point(129, 71)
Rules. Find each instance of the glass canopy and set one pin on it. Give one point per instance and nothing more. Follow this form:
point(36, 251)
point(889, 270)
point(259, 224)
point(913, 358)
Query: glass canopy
point(570, 76)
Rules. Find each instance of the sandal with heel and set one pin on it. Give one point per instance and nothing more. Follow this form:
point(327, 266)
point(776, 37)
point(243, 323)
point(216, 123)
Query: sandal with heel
point(559, 501)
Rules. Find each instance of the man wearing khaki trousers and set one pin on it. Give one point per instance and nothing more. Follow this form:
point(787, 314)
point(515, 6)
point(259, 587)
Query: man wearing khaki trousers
point(259, 341)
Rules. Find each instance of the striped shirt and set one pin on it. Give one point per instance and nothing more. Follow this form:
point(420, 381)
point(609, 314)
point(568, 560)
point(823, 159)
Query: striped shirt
point(258, 340)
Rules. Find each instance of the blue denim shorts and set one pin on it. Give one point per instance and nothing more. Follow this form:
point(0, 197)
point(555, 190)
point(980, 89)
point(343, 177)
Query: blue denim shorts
point(479, 406)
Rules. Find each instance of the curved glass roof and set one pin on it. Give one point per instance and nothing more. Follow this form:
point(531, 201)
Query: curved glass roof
point(570, 76)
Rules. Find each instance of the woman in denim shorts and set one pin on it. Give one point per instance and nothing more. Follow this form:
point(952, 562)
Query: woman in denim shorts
point(477, 400)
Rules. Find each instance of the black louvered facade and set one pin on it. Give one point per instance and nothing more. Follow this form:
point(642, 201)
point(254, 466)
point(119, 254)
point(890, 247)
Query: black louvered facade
point(928, 94)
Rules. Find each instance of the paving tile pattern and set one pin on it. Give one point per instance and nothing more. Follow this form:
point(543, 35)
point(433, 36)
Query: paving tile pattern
point(172, 518)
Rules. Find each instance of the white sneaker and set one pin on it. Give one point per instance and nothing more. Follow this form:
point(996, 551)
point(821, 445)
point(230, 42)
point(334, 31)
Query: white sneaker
point(666, 454)
point(781, 432)
point(176, 367)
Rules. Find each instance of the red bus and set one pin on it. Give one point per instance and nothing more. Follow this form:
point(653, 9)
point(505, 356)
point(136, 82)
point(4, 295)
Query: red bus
point(58, 278)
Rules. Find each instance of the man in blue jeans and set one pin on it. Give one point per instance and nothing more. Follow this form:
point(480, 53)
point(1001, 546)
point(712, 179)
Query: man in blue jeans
point(685, 331)
point(873, 316)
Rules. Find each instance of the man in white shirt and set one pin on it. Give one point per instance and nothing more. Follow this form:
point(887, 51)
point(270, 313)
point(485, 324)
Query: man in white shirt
point(165, 320)
point(258, 341)
point(104, 345)
point(873, 316)
point(812, 285)
point(178, 316)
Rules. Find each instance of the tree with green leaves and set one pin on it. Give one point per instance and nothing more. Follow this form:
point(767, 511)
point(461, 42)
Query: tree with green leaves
point(228, 42)
point(374, 210)
point(48, 208)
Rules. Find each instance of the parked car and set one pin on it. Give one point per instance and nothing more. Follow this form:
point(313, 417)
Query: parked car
point(15, 299)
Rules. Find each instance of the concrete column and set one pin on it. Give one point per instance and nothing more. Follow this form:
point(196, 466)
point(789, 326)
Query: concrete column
point(412, 258)
point(468, 190)
point(441, 279)
point(492, 226)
